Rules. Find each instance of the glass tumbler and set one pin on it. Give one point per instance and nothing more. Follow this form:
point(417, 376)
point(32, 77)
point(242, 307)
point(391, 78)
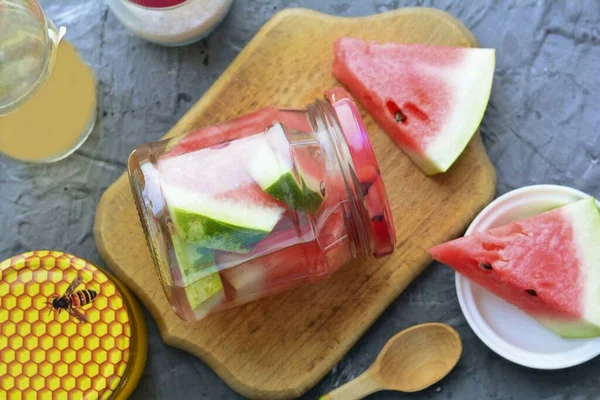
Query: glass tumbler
point(28, 43)
point(47, 93)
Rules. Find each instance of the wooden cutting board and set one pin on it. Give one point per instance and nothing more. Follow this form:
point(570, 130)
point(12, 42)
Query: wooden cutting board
point(281, 346)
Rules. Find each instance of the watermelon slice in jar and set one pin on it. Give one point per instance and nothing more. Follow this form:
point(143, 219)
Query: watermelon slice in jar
point(198, 288)
point(428, 99)
point(200, 298)
point(286, 258)
point(214, 202)
point(238, 128)
point(548, 265)
point(280, 261)
point(194, 262)
point(286, 172)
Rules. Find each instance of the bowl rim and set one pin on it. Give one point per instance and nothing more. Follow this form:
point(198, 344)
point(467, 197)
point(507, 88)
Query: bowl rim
point(589, 348)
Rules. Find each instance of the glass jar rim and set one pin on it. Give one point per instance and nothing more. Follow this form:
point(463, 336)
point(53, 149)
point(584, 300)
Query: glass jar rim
point(381, 222)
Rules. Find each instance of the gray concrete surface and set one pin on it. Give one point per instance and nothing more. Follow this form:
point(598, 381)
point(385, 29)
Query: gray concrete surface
point(542, 126)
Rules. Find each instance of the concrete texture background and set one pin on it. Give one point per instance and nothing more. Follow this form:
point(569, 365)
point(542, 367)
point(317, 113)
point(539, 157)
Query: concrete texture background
point(542, 126)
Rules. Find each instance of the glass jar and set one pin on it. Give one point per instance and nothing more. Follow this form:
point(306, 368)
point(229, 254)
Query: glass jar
point(170, 22)
point(260, 204)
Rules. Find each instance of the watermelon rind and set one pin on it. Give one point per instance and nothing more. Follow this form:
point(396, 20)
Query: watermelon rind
point(287, 190)
point(247, 278)
point(194, 261)
point(275, 176)
point(205, 293)
point(570, 329)
point(199, 276)
point(312, 195)
point(273, 170)
point(472, 88)
point(215, 234)
point(220, 224)
point(311, 189)
point(585, 219)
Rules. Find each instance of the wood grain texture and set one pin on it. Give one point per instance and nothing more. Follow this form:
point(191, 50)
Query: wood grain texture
point(280, 346)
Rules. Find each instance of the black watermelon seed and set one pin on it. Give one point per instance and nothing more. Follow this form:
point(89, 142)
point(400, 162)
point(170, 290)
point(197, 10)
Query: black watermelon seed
point(322, 187)
point(377, 218)
point(486, 266)
point(531, 292)
point(399, 116)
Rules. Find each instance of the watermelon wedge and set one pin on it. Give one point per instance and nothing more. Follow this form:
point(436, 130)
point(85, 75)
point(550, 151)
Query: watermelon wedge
point(283, 175)
point(213, 200)
point(266, 270)
point(288, 257)
point(548, 265)
point(233, 221)
point(234, 129)
point(200, 298)
point(429, 100)
point(194, 262)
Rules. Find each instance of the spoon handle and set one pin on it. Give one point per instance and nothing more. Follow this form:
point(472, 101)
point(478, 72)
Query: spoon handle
point(356, 389)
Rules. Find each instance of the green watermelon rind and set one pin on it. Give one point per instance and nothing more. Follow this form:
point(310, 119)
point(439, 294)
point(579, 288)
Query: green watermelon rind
point(569, 329)
point(311, 189)
point(286, 190)
point(585, 219)
point(194, 261)
point(228, 224)
point(215, 234)
point(298, 197)
point(275, 174)
point(205, 293)
point(312, 199)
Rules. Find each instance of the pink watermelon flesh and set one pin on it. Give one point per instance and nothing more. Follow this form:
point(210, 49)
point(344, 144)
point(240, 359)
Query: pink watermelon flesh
point(213, 199)
point(286, 258)
point(218, 173)
point(429, 100)
point(213, 135)
point(238, 128)
point(259, 275)
point(548, 265)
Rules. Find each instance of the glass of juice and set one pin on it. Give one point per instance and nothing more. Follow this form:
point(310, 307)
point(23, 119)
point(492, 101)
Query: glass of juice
point(260, 204)
point(47, 93)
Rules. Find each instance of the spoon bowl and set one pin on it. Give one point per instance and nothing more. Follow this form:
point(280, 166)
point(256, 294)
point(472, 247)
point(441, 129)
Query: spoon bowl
point(412, 360)
point(418, 357)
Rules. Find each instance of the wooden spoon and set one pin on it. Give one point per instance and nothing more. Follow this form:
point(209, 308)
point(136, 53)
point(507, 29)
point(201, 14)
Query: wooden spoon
point(412, 360)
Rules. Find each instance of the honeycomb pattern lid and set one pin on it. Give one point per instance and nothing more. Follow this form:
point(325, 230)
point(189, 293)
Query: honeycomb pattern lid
point(67, 330)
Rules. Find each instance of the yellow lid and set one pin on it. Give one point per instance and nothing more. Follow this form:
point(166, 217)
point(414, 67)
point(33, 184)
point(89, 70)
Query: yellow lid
point(89, 344)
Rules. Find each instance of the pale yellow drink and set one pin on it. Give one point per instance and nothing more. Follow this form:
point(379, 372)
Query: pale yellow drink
point(53, 123)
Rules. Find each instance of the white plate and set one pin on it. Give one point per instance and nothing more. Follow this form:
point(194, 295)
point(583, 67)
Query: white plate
point(503, 327)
